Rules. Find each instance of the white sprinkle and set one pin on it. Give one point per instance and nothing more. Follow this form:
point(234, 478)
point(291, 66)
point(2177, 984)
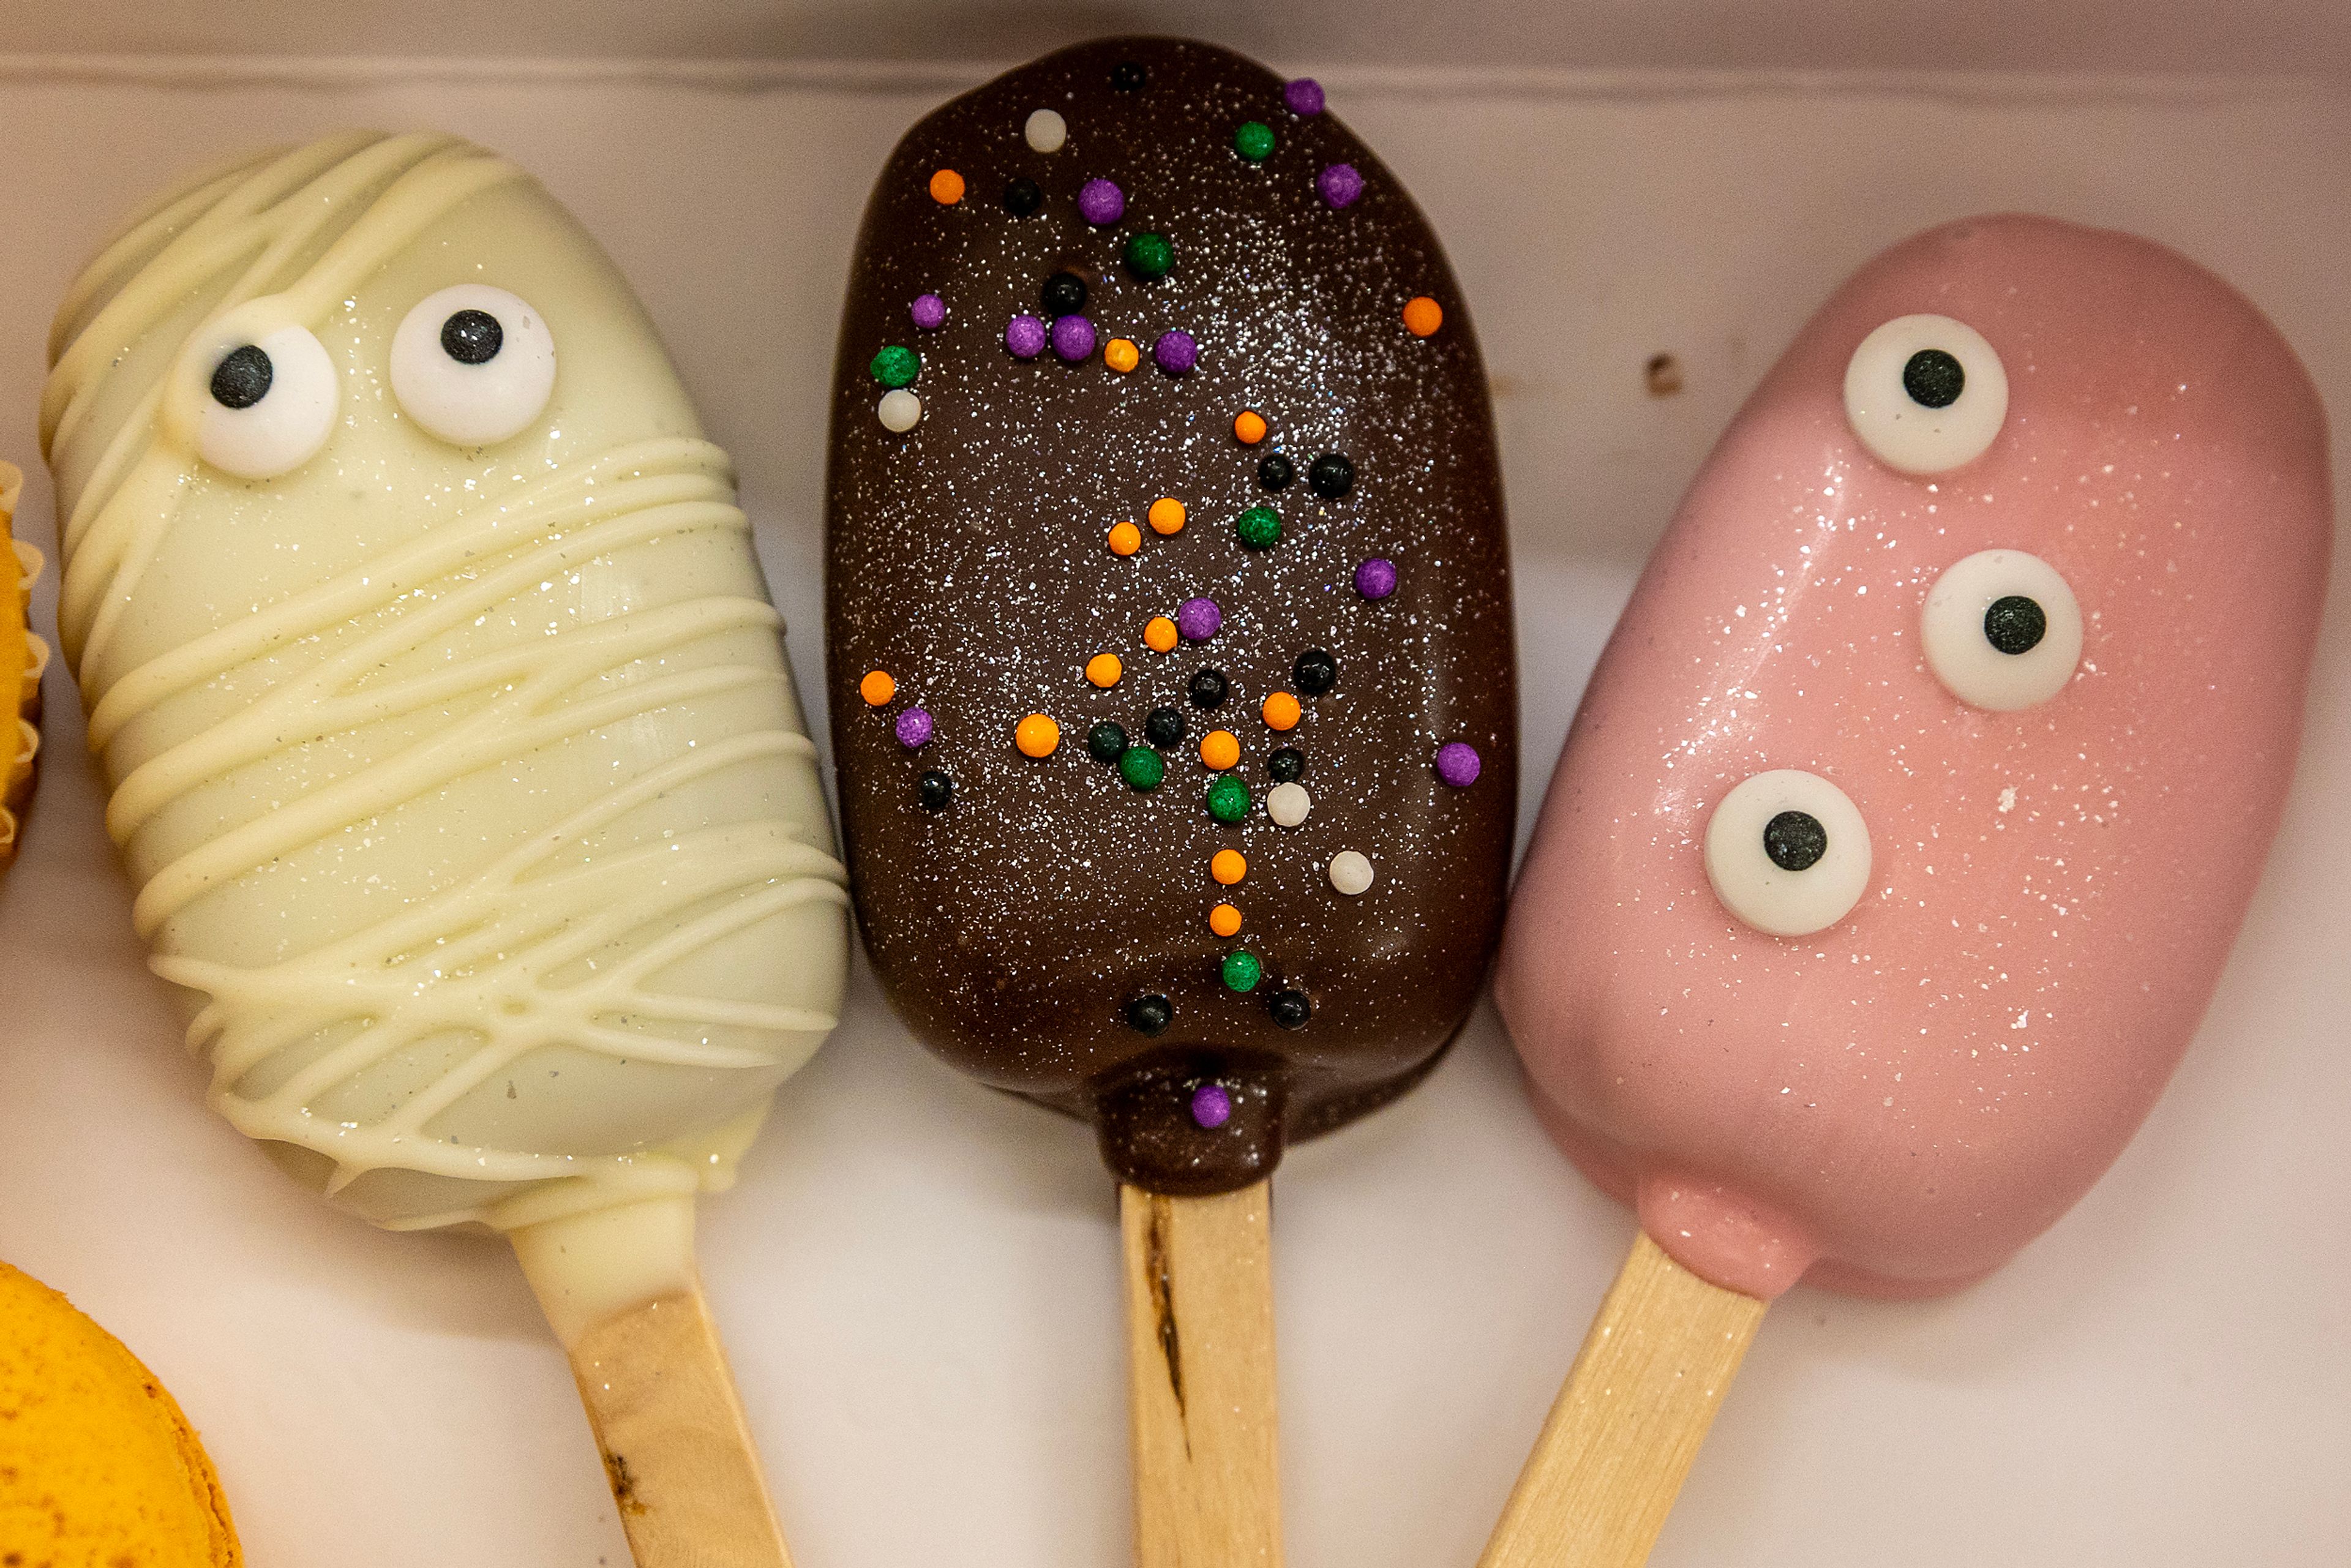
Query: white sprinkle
point(1350, 873)
point(1047, 130)
point(1288, 804)
point(901, 411)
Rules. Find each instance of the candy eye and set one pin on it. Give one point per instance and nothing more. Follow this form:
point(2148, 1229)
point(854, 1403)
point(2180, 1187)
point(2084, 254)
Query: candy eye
point(1787, 852)
point(1926, 393)
point(269, 406)
point(2002, 631)
point(473, 365)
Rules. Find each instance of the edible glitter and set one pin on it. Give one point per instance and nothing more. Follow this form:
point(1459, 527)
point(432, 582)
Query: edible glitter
point(1458, 764)
point(1101, 204)
point(1339, 184)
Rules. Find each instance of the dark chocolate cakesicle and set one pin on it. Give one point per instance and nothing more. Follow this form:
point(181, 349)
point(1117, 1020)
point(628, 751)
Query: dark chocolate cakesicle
point(1169, 608)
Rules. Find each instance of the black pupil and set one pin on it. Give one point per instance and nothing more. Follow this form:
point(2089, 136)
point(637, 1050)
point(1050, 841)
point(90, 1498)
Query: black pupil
point(243, 378)
point(472, 337)
point(935, 790)
point(1065, 294)
point(1316, 671)
point(1795, 841)
point(2015, 625)
point(1934, 379)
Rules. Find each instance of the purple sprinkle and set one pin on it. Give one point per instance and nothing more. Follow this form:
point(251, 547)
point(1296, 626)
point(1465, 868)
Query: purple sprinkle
point(914, 727)
point(930, 312)
point(1100, 203)
point(1212, 1105)
point(1025, 337)
point(1073, 336)
point(1376, 579)
point(1175, 352)
point(1339, 184)
point(1303, 96)
point(1458, 764)
point(1196, 620)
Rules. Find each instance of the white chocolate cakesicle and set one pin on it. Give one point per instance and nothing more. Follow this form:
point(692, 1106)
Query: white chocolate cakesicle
point(464, 785)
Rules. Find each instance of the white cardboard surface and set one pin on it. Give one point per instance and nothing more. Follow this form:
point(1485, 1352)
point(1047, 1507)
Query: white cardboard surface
point(917, 1276)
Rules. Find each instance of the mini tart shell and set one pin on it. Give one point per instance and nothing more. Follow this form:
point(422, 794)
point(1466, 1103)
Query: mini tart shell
point(97, 1462)
point(23, 659)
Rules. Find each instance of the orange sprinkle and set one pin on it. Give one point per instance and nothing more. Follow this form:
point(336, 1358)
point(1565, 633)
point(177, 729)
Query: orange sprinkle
point(1036, 735)
point(1220, 749)
point(1125, 538)
point(1224, 920)
point(1166, 514)
point(1280, 711)
point(946, 187)
point(1103, 669)
point(1121, 355)
point(877, 687)
point(1249, 427)
point(1227, 867)
point(1423, 316)
point(1160, 635)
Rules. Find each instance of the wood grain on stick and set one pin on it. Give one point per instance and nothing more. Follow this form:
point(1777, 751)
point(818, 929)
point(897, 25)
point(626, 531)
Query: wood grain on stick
point(1620, 1439)
point(1199, 1336)
point(684, 1474)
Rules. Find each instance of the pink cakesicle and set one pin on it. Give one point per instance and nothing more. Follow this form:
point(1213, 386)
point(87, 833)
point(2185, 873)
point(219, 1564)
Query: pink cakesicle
point(1900, 840)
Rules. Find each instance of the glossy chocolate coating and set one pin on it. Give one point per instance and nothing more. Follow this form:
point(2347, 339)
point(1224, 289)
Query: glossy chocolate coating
point(967, 557)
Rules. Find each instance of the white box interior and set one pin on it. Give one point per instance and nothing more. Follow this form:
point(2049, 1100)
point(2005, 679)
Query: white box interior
point(916, 1276)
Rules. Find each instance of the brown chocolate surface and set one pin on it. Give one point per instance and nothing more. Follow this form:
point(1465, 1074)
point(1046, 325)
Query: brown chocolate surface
point(1024, 929)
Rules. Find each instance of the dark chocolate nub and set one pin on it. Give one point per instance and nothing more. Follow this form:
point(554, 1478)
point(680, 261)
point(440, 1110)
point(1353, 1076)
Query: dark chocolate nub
point(1331, 475)
point(1106, 742)
point(1149, 1015)
point(1315, 672)
point(1795, 841)
point(1065, 294)
point(1021, 196)
point(1934, 379)
point(2015, 625)
point(472, 337)
point(1163, 726)
point(243, 378)
point(1005, 559)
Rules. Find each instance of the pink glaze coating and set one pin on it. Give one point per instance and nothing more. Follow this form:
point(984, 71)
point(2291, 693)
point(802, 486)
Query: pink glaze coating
point(1900, 1101)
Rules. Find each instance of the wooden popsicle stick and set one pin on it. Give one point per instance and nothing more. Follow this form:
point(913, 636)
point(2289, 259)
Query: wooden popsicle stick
point(685, 1473)
point(1620, 1439)
point(1200, 1340)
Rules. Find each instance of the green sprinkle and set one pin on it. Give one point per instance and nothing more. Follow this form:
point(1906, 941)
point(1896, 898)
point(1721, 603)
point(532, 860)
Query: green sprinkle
point(1254, 140)
point(1149, 255)
point(1242, 971)
point(1260, 528)
point(1229, 799)
point(1142, 768)
point(896, 367)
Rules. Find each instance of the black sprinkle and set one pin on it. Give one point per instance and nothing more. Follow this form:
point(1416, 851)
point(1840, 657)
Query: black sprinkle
point(1021, 196)
point(472, 337)
point(243, 378)
point(1316, 671)
point(1209, 688)
point(935, 790)
point(1934, 379)
point(1286, 764)
point(2015, 625)
point(1274, 472)
point(1164, 727)
point(1291, 1009)
point(1150, 1015)
point(1331, 475)
point(1128, 76)
point(1795, 841)
point(1065, 294)
point(1106, 743)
